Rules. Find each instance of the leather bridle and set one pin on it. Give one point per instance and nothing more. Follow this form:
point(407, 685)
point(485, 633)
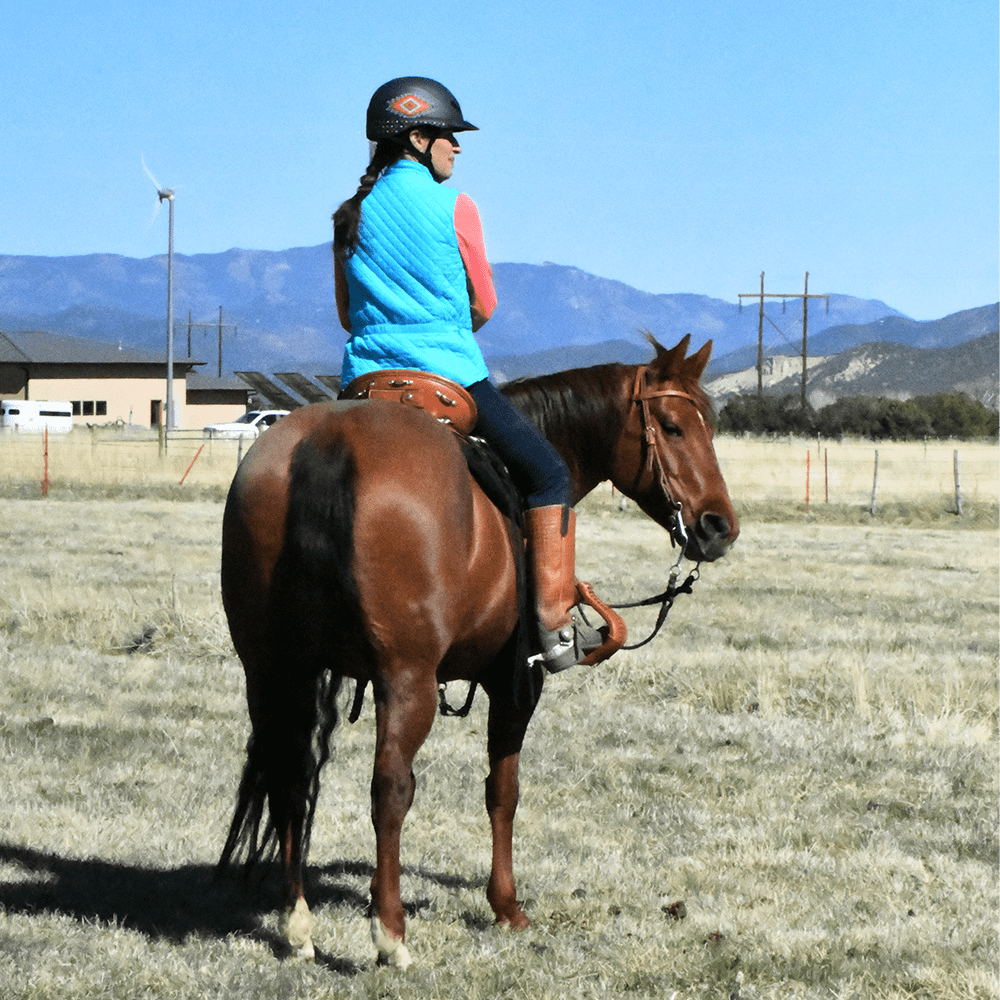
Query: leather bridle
point(642, 394)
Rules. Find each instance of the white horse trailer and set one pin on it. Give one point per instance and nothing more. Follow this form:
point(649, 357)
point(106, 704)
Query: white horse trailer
point(35, 416)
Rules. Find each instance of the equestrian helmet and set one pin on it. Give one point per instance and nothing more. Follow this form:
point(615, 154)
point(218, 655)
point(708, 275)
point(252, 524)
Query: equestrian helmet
point(409, 102)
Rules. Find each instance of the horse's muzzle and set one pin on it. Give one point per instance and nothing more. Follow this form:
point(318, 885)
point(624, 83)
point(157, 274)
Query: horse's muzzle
point(709, 539)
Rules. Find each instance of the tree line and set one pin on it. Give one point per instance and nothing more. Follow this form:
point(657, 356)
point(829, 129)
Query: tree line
point(941, 415)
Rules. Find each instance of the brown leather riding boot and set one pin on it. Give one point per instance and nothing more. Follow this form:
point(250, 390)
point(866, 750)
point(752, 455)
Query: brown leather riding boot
point(564, 636)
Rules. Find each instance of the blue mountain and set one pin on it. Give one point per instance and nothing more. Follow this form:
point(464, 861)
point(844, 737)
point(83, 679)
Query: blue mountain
point(279, 312)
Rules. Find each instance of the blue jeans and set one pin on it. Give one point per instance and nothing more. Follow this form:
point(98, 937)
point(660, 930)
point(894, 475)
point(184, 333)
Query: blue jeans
point(536, 467)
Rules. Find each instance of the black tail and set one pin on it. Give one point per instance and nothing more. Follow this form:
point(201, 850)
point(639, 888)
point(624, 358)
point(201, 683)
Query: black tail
point(315, 626)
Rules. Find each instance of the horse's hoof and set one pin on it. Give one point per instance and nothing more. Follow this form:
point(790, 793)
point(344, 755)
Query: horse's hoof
point(515, 922)
point(296, 928)
point(391, 950)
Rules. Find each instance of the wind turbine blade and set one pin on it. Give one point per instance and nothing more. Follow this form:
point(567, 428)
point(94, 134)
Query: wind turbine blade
point(149, 173)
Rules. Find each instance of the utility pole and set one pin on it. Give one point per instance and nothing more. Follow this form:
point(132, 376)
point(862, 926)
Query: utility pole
point(167, 195)
point(191, 326)
point(805, 295)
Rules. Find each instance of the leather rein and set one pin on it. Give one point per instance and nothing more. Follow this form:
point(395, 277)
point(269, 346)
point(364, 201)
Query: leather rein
point(641, 395)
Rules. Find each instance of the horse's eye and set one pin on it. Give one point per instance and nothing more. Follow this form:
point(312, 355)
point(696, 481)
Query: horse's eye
point(672, 429)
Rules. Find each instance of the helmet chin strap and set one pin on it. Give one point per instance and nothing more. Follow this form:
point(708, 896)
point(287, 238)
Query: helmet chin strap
point(425, 156)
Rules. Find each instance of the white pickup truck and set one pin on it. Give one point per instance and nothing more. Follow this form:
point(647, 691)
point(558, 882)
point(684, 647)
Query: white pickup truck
point(251, 425)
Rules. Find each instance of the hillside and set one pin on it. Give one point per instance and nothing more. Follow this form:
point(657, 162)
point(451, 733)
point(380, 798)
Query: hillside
point(282, 306)
point(878, 369)
point(947, 332)
point(279, 315)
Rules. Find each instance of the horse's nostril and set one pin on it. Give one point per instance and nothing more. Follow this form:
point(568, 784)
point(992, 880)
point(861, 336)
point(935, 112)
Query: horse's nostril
point(713, 526)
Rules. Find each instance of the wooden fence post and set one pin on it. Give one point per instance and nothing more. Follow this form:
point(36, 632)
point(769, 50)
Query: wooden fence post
point(871, 509)
point(45, 475)
point(958, 488)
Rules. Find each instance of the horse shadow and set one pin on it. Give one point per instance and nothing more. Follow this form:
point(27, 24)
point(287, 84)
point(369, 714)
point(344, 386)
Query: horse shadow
point(172, 904)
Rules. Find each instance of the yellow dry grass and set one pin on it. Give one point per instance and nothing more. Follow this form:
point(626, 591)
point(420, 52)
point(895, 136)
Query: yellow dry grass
point(844, 472)
point(807, 757)
point(757, 469)
point(82, 459)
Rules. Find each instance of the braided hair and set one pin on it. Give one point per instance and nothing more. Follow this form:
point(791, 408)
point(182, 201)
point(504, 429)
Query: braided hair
point(347, 218)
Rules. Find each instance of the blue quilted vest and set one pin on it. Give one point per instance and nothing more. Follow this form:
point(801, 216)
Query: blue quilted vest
point(409, 302)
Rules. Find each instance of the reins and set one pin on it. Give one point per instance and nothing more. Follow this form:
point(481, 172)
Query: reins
point(665, 600)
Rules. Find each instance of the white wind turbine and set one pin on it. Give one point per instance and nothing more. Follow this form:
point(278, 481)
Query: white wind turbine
point(167, 195)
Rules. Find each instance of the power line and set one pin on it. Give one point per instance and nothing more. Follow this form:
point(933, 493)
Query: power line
point(213, 326)
point(805, 295)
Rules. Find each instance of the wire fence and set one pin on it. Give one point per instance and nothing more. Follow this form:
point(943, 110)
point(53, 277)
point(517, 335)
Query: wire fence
point(854, 472)
point(110, 457)
point(787, 471)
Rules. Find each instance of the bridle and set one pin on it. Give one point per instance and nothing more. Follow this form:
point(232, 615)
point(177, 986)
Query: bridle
point(641, 395)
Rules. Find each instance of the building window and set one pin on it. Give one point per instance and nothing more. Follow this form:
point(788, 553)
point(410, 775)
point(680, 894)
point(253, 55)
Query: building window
point(90, 407)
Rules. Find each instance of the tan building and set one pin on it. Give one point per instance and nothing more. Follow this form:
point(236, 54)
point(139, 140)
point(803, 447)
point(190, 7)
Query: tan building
point(107, 383)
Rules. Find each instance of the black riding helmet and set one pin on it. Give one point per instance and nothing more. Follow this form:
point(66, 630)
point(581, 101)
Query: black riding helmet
point(413, 102)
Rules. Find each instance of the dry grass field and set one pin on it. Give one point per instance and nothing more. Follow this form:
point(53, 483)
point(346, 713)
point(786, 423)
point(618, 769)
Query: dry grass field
point(760, 471)
point(806, 758)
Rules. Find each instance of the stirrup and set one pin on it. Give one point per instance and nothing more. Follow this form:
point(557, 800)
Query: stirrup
point(614, 631)
point(565, 647)
point(579, 642)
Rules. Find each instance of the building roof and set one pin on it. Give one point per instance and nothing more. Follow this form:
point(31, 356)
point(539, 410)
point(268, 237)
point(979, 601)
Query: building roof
point(38, 347)
point(202, 382)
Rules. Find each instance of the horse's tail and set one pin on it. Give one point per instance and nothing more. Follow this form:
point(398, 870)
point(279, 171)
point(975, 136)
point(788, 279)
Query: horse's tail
point(314, 625)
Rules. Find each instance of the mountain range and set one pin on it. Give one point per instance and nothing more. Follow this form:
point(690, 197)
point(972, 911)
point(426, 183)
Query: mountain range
point(878, 368)
point(279, 313)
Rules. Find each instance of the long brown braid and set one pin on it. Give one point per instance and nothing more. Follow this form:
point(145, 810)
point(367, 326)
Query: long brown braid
point(347, 218)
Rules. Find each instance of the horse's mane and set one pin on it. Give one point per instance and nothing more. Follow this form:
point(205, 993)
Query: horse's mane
point(585, 399)
point(580, 403)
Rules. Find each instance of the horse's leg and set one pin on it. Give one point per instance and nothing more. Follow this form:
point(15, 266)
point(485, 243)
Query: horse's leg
point(404, 712)
point(296, 921)
point(507, 726)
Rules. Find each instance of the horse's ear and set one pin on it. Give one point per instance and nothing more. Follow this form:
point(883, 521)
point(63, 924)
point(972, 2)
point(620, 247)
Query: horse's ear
point(695, 365)
point(669, 360)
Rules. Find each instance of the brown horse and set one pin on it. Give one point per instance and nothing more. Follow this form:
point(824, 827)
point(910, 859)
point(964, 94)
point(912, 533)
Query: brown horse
point(357, 544)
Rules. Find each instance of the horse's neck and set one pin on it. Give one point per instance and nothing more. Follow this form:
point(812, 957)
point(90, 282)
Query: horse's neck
point(582, 413)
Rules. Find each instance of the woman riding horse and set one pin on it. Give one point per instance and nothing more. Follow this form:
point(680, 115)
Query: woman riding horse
point(413, 285)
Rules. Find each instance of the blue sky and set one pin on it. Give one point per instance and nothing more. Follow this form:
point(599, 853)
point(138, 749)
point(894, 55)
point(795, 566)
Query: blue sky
point(678, 147)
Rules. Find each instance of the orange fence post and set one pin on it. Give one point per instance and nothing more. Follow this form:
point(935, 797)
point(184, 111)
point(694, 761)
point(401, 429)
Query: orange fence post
point(188, 469)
